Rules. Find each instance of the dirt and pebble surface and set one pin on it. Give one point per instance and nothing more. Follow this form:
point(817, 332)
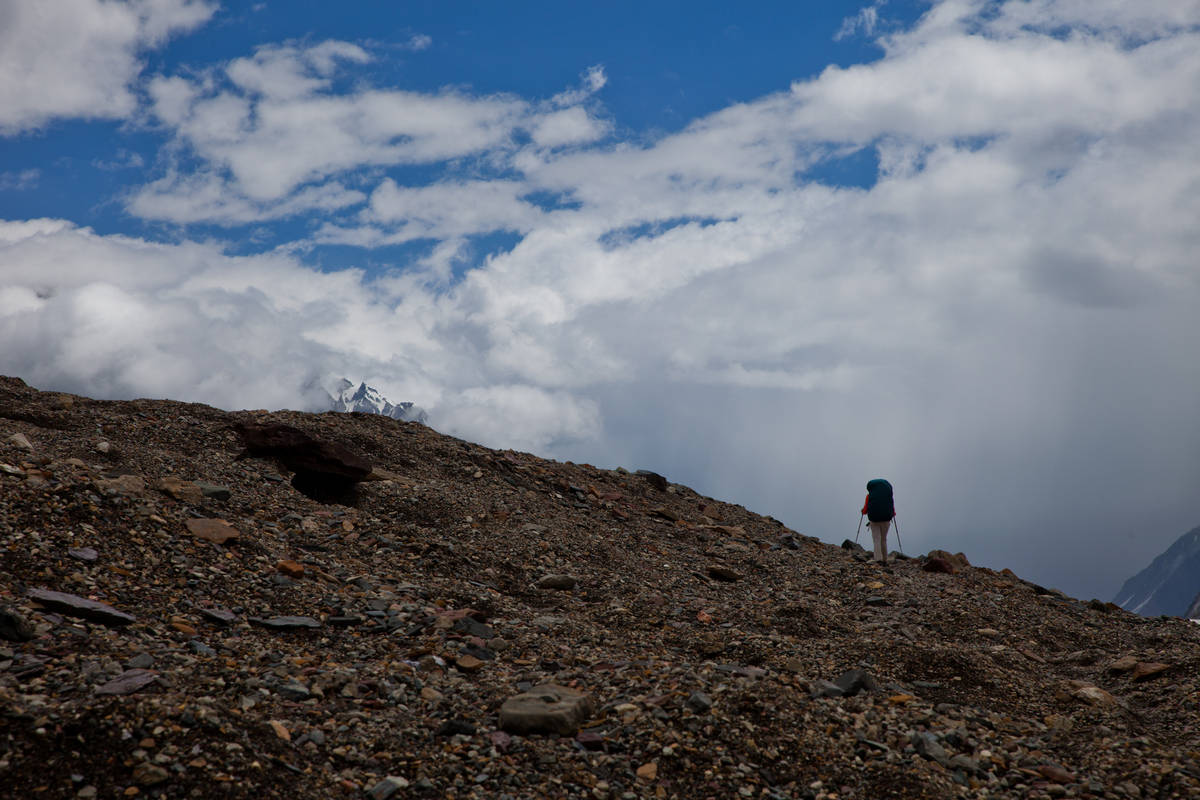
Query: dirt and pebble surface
point(176, 621)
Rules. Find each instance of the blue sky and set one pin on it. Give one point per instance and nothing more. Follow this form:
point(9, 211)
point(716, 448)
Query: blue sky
point(770, 252)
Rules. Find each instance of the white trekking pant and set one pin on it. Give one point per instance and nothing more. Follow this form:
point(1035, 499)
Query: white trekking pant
point(879, 531)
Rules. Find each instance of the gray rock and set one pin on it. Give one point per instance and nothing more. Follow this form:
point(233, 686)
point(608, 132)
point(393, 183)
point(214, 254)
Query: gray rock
point(215, 491)
point(85, 554)
point(822, 688)
point(14, 627)
point(387, 787)
point(699, 702)
point(854, 681)
point(294, 690)
point(547, 708)
point(200, 648)
point(140, 661)
point(75, 606)
point(927, 745)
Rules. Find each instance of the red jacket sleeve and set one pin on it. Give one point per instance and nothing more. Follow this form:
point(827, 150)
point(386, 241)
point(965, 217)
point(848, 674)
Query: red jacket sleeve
point(866, 500)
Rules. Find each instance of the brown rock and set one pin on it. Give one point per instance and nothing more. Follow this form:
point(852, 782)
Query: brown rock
point(1056, 774)
point(1149, 669)
point(213, 530)
point(648, 772)
point(290, 568)
point(124, 484)
point(147, 774)
point(1123, 664)
point(184, 491)
point(469, 663)
point(939, 565)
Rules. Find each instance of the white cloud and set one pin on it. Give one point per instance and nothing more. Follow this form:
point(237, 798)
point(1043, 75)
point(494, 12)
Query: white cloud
point(78, 58)
point(276, 129)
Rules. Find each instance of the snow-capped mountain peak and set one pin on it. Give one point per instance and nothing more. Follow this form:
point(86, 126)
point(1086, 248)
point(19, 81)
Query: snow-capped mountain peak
point(345, 396)
point(1170, 584)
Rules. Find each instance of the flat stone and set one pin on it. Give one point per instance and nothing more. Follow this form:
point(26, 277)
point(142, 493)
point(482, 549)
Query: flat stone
point(927, 745)
point(469, 663)
point(547, 708)
point(14, 627)
point(123, 484)
point(85, 554)
point(699, 702)
point(1056, 774)
point(212, 530)
point(128, 682)
point(75, 606)
point(285, 623)
point(822, 688)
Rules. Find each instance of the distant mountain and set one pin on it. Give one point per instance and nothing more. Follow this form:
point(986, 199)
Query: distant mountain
point(345, 396)
point(1170, 585)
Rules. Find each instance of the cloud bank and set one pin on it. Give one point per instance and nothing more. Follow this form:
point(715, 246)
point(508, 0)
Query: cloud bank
point(1001, 320)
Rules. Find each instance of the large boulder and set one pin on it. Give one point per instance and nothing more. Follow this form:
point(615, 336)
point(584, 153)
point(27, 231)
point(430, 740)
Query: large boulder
point(323, 470)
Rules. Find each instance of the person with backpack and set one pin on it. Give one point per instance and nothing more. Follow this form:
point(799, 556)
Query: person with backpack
point(880, 510)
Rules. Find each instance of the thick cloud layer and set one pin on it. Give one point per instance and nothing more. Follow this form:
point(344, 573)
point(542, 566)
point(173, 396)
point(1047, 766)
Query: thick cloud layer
point(1002, 322)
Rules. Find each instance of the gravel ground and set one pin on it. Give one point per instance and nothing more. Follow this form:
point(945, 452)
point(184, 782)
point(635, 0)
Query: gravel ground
point(366, 647)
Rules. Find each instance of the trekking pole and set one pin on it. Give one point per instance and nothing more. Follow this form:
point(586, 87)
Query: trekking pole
point(896, 522)
point(860, 517)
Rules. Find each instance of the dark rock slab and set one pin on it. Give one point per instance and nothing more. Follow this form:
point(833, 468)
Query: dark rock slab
point(300, 451)
point(85, 554)
point(76, 606)
point(654, 479)
point(218, 615)
point(547, 708)
point(128, 682)
point(215, 491)
point(285, 623)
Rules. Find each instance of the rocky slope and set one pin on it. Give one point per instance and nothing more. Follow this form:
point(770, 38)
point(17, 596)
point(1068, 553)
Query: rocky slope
point(219, 634)
point(1170, 584)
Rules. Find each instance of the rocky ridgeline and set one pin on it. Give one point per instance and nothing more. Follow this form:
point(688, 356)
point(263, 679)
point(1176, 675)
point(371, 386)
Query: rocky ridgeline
point(181, 615)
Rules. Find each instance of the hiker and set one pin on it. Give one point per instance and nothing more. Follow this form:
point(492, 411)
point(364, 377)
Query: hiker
point(880, 510)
